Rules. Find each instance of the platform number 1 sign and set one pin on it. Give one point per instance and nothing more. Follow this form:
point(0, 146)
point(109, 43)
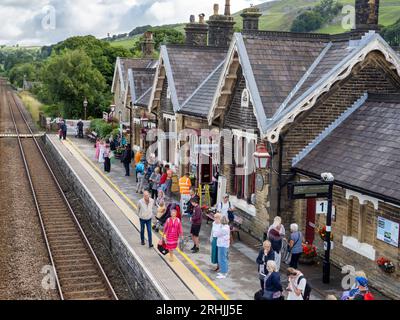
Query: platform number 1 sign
point(322, 208)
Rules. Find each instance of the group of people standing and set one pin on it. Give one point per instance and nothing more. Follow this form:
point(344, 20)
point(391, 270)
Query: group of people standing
point(269, 263)
point(104, 153)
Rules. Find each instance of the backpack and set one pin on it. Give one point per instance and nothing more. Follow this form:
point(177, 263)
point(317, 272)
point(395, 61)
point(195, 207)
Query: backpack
point(307, 289)
point(140, 168)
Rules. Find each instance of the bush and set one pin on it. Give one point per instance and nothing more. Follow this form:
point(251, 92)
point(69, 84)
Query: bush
point(52, 111)
point(102, 128)
point(307, 21)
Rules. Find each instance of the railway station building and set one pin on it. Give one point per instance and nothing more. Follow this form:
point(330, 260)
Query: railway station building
point(318, 102)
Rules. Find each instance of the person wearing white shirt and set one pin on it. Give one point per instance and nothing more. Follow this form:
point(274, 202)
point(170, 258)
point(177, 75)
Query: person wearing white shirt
point(225, 207)
point(213, 239)
point(223, 234)
point(296, 285)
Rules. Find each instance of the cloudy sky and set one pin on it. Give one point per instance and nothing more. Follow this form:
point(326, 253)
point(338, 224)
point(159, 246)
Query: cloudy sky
point(41, 22)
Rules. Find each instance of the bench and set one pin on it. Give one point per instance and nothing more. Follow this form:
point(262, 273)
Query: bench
point(92, 136)
point(235, 227)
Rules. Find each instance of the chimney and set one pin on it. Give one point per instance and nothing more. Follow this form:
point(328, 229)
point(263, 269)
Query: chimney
point(196, 33)
point(148, 45)
point(221, 27)
point(251, 18)
point(367, 14)
point(227, 8)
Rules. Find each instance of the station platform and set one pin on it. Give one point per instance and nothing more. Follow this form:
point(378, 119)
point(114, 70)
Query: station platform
point(190, 276)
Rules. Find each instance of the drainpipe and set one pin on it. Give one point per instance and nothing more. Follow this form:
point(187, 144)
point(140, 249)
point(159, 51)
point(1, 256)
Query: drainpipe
point(279, 209)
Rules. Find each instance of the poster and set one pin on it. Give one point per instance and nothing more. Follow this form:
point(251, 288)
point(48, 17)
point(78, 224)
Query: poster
point(388, 231)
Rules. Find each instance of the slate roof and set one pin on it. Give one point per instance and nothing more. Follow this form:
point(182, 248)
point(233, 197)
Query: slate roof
point(143, 80)
point(278, 64)
point(127, 64)
point(144, 100)
point(191, 66)
point(336, 52)
point(124, 64)
point(198, 104)
point(364, 151)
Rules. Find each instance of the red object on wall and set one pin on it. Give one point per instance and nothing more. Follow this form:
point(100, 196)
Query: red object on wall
point(310, 223)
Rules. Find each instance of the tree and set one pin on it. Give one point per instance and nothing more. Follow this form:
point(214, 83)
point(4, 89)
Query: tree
point(102, 54)
point(316, 17)
point(29, 70)
point(139, 30)
point(392, 34)
point(14, 57)
point(307, 21)
point(68, 78)
point(161, 35)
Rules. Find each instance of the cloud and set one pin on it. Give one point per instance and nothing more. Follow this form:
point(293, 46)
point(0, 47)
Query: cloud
point(31, 22)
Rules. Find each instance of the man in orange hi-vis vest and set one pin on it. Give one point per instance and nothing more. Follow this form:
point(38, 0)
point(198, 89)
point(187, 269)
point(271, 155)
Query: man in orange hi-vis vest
point(184, 188)
point(184, 185)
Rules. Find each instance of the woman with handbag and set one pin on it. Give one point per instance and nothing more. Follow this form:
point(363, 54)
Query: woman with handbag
point(172, 232)
point(295, 245)
point(272, 288)
point(275, 234)
point(266, 254)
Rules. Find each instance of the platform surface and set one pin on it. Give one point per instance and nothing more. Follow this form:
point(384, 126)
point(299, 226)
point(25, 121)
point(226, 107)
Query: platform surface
point(191, 276)
point(163, 273)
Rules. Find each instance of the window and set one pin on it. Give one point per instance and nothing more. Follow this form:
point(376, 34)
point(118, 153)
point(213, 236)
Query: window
point(245, 99)
point(245, 175)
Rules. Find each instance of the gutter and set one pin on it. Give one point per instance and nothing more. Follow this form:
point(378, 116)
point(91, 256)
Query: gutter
point(372, 194)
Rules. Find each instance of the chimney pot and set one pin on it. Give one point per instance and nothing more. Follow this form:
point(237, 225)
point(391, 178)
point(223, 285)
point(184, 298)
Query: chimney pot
point(201, 18)
point(196, 33)
point(216, 9)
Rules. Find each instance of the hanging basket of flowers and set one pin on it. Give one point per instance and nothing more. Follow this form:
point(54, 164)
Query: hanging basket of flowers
point(322, 233)
point(386, 265)
point(309, 254)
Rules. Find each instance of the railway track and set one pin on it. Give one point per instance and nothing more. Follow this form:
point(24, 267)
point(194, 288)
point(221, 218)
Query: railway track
point(77, 272)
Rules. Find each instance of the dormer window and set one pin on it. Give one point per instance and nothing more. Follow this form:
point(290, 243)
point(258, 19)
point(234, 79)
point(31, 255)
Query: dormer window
point(245, 99)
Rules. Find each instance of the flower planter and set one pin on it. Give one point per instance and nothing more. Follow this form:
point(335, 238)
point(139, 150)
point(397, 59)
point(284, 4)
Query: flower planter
point(307, 260)
point(388, 269)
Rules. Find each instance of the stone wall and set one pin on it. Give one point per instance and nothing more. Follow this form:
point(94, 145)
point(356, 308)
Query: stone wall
point(132, 269)
point(346, 224)
point(367, 77)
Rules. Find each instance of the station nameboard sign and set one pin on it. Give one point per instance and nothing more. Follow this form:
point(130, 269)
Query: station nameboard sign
point(308, 190)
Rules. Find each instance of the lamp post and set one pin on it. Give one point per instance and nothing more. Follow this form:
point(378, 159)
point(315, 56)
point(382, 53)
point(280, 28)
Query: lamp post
point(326, 271)
point(85, 104)
point(261, 157)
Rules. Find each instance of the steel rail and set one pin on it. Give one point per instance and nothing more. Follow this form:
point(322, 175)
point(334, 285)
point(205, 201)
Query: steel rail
point(66, 202)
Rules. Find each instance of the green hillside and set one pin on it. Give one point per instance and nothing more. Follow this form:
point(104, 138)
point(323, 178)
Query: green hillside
point(278, 15)
point(129, 42)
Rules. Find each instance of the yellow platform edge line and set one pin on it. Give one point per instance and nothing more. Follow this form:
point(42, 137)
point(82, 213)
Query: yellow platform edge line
point(197, 288)
point(190, 261)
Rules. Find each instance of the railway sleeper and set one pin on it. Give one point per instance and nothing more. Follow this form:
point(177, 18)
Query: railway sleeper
point(89, 294)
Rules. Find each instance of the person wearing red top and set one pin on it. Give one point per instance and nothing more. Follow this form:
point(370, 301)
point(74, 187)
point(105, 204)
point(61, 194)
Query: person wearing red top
point(172, 232)
point(163, 178)
point(196, 221)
